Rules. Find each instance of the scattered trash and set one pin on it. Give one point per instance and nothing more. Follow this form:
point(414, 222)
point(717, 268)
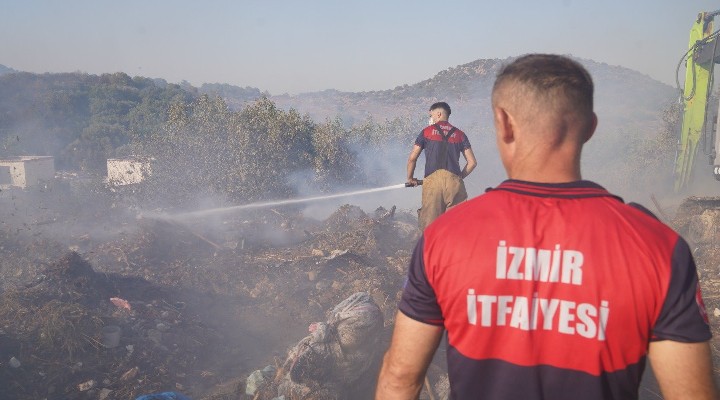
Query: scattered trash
point(14, 362)
point(336, 358)
point(336, 253)
point(120, 303)
point(104, 393)
point(163, 396)
point(111, 336)
point(85, 386)
point(129, 374)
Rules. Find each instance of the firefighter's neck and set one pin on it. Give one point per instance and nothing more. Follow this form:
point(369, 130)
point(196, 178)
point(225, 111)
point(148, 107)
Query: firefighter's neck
point(545, 165)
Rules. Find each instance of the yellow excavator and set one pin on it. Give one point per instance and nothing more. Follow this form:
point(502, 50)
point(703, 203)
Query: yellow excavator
point(699, 120)
point(698, 135)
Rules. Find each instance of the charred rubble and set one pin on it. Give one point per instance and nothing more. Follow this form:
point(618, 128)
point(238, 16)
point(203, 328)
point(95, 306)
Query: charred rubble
point(201, 304)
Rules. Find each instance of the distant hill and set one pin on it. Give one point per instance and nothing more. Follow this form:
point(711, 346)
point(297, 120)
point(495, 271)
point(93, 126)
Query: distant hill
point(464, 87)
point(235, 97)
point(621, 94)
point(6, 70)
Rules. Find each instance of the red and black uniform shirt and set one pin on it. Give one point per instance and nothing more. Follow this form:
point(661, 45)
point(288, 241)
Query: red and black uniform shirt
point(442, 151)
point(552, 291)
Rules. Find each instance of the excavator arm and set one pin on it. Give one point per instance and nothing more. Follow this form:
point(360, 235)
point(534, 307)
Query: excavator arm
point(703, 53)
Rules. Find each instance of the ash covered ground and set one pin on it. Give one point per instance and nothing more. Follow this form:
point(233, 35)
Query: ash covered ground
point(209, 300)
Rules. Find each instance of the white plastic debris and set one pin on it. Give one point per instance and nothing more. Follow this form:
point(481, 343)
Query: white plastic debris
point(336, 253)
point(14, 362)
point(104, 394)
point(85, 386)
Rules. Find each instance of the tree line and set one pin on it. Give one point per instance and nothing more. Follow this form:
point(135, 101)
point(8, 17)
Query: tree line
point(247, 148)
point(195, 144)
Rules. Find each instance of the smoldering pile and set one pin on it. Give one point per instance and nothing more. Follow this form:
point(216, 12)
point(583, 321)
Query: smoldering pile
point(203, 304)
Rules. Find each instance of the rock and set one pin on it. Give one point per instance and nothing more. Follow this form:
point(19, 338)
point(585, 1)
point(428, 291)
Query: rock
point(716, 312)
point(317, 253)
point(254, 382)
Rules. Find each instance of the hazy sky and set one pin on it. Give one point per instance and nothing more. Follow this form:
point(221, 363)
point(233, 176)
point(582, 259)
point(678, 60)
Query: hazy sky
point(300, 46)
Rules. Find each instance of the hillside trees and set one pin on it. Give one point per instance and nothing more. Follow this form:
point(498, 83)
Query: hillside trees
point(274, 143)
point(186, 154)
point(201, 146)
point(80, 119)
point(120, 108)
point(205, 150)
point(334, 162)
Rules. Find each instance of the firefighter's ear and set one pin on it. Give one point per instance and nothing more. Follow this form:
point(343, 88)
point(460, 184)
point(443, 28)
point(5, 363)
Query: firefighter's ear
point(504, 125)
point(504, 137)
point(591, 129)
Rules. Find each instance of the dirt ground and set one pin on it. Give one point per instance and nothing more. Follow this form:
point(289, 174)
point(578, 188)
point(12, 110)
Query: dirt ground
point(201, 302)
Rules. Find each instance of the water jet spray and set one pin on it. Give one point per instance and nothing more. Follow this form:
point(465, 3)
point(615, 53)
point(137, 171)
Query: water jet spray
point(273, 203)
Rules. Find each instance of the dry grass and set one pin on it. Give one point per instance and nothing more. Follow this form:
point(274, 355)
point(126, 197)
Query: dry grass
point(65, 327)
point(13, 314)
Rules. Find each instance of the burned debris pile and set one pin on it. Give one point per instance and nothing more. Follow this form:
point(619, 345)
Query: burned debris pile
point(105, 302)
point(200, 305)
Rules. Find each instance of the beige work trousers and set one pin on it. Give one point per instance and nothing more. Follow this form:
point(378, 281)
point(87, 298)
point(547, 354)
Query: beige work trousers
point(440, 190)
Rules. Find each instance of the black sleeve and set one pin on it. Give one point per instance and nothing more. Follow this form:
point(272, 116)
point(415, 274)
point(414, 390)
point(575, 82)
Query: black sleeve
point(418, 299)
point(683, 317)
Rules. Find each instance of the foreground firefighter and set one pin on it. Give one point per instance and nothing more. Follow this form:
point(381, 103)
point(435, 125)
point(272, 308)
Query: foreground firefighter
point(555, 289)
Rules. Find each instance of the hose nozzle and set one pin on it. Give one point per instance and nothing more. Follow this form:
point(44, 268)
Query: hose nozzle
point(418, 183)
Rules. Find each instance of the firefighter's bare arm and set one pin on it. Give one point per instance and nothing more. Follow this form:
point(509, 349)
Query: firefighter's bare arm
point(471, 162)
point(406, 361)
point(412, 161)
point(683, 370)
